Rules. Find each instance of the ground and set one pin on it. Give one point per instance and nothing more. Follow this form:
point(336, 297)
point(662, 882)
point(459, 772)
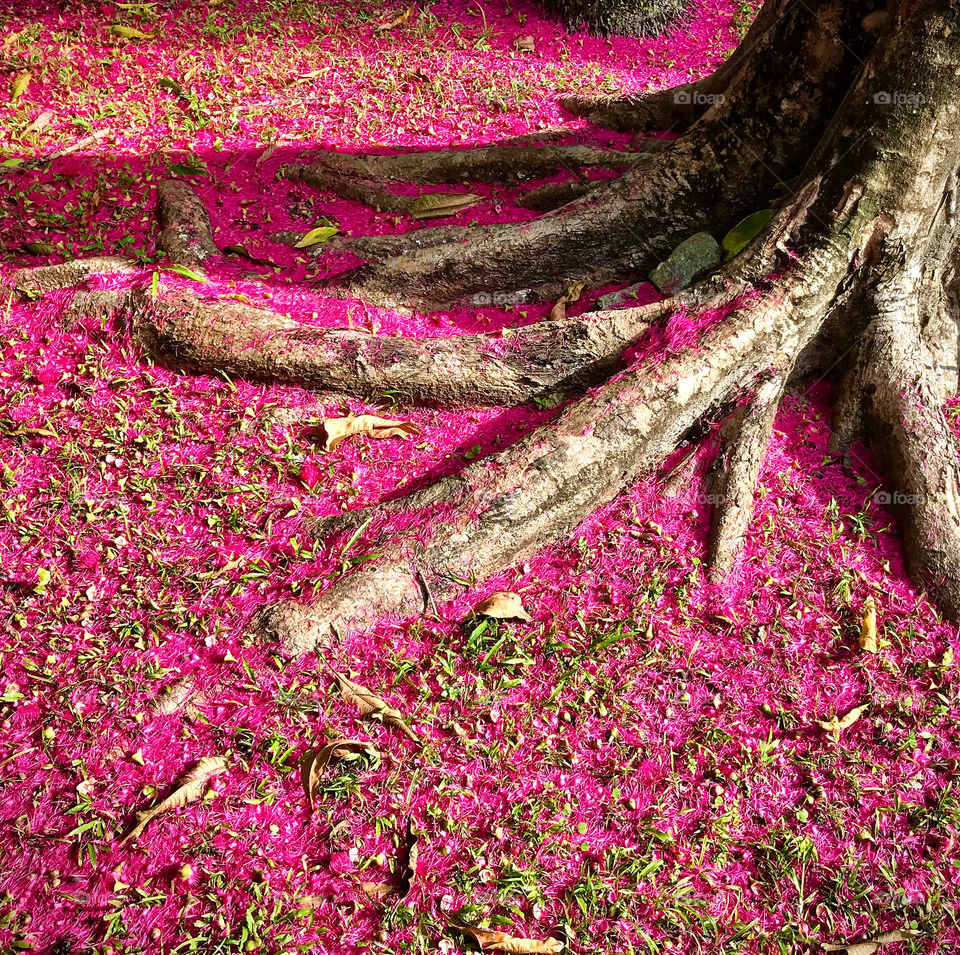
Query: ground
point(639, 767)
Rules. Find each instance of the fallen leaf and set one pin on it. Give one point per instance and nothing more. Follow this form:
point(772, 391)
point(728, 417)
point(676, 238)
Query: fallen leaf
point(397, 21)
point(868, 946)
point(337, 429)
point(525, 44)
point(174, 697)
point(242, 253)
point(41, 122)
point(165, 83)
point(868, 629)
point(267, 153)
point(313, 762)
point(745, 231)
point(376, 890)
point(488, 939)
point(370, 704)
point(129, 33)
point(431, 205)
point(502, 605)
point(38, 248)
point(572, 294)
point(836, 725)
point(29, 432)
point(316, 236)
point(191, 787)
point(19, 86)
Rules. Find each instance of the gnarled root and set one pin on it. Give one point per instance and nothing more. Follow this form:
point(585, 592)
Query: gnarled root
point(185, 233)
point(49, 278)
point(485, 164)
point(735, 489)
point(546, 360)
point(503, 508)
point(911, 439)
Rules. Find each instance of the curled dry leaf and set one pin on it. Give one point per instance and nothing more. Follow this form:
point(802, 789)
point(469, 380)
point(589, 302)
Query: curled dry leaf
point(395, 22)
point(174, 697)
point(836, 725)
point(572, 294)
point(337, 429)
point(501, 942)
point(868, 946)
point(313, 761)
point(502, 605)
point(377, 891)
point(525, 44)
point(868, 629)
point(369, 704)
point(41, 122)
point(191, 787)
point(432, 205)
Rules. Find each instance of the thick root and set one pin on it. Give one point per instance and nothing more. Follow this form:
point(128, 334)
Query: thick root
point(49, 278)
point(737, 485)
point(185, 233)
point(547, 360)
point(503, 508)
point(507, 164)
point(911, 437)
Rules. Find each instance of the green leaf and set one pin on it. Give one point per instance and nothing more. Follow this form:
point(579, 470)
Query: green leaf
point(187, 273)
point(38, 248)
point(435, 204)
point(19, 86)
point(172, 85)
point(315, 236)
point(745, 231)
point(187, 169)
point(12, 163)
point(128, 33)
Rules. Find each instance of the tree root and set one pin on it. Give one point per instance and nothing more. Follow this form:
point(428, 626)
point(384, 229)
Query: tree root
point(503, 508)
point(552, 195)
point(49, 278)
point(735, 490)
point(485, 164)
point(544, 361)
point(909, 433)
point(185, 233)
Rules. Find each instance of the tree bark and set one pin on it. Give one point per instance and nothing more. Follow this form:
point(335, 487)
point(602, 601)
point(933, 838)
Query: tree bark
point(619, 17)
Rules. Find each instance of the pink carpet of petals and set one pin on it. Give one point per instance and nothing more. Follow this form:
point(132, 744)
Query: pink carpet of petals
point(638, 769)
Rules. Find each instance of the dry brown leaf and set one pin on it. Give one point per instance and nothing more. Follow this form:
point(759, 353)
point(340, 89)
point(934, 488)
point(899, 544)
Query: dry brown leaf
point(836, 725)
point(868, 946)
point(267, 153)
point(376, 890)
point(396, 21)
point(313, 761)
point(174, 697)
point(502, 605)
point(337, 429)
point(431, 205)
point(41, 122)
point(370, 704)
point(868, 629)
point(572, 294)
point(488, 939)
point(525, 44)
point(191, 787)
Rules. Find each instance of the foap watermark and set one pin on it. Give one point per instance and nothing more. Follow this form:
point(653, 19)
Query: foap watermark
point(898, 98)
point(693, 98)
point(897, 499)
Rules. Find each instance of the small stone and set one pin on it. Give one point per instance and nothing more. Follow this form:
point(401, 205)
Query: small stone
point(622, 298)
point(699, 253)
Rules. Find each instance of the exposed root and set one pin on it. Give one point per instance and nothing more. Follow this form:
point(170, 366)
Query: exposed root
point(736, 488)
point(384, 246)
point(505, 507)
point(487, 164)
point(552, 195)
point(49, 278)
point(911, 438)
point(185, 233)
point(371, 193)
point(546, 360)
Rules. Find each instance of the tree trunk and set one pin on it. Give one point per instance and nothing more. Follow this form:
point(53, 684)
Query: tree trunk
point(854, 276)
